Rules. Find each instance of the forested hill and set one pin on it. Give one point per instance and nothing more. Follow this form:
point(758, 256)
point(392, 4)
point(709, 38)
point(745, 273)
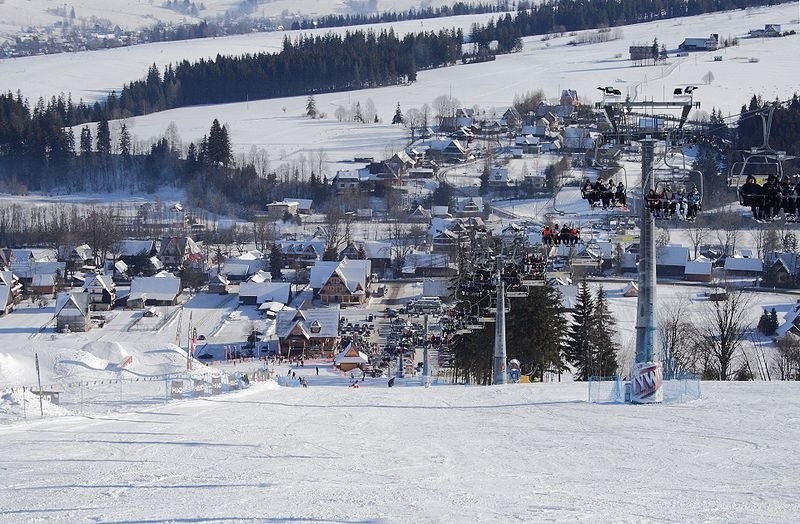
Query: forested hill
point(364, 59)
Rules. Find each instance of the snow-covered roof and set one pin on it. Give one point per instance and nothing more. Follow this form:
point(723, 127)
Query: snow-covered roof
point(352, 272)
point(672, 256)
point(43, 280)
point(743, 264)
point(351, 355)
point(699, 266)
point(131, 248)
point(260, 276)
point(271, 306)
point(266, 291)
point(77, 301)
point(162, 288)
point(328, 319)
point(102, 281)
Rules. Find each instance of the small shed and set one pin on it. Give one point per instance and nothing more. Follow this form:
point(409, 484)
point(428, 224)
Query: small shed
point(350, 358)
point(698, 270)
point(630, 290)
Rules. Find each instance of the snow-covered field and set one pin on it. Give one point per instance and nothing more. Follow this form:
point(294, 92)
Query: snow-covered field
point(277, 125)
point(135, 14)
point(411, 454)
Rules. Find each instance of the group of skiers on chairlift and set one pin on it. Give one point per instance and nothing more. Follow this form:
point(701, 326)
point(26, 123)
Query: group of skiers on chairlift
point(668, 204)
point(567, 235)
point(603, 193)
point(766, 201)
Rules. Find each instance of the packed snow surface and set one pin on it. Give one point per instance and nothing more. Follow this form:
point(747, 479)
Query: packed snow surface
point(411, 454)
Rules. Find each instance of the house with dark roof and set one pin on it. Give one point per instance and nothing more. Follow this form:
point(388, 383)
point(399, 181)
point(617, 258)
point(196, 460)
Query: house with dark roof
point(102, 291)
point(180, 252)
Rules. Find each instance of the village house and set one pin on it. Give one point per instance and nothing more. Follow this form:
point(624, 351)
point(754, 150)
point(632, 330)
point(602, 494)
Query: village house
point(301, 253)
point(102, 291)
point(780, 271)
point(10, 292)
point(72, 312)
point(140, 256)
point(468, 206)
point(219, 284)
point(743, 267)
point(161, 290)
point(76, 257)
point(671, 261)
point(698, 270)
point(769, 31)
point(342, 282)
point(242, 267)
point(256, 293)
point(301, 332)
point(498, 178)
point(283, 208)
point(346, 182)
point(701, 44)
point(180, 252)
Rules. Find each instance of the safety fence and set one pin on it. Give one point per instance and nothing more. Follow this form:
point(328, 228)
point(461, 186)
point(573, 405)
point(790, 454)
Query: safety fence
point(610, 390)
point(91, 397)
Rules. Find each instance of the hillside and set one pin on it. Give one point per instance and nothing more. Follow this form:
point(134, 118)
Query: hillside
point(444, 454)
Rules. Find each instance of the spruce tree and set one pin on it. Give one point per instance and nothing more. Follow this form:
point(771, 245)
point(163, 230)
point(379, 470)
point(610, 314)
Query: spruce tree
point(398, 115)
point(604, 326)
point(125, 143)
point(311, 107)
point(580, 346)
point(86, 141)
point(103, 137)
point(275, 262)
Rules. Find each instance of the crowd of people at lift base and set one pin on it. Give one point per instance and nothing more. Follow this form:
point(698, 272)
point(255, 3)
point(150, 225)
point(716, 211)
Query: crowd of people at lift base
point(766, 201)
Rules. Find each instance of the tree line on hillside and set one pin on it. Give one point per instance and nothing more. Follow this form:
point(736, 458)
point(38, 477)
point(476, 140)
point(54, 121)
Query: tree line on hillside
point(361, 59)
point(420, 13)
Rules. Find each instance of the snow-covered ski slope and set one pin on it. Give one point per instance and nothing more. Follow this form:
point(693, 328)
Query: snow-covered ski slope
point(529, 453)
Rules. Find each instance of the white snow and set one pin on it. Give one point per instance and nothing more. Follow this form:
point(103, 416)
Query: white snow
point(411, 454)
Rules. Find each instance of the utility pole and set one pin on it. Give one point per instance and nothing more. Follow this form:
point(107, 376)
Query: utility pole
point(39, 380)
point(499, 374)
point(426, 369)
point(646, 376)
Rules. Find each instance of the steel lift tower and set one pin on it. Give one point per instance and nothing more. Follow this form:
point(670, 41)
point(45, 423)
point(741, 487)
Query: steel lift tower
point(646, 375)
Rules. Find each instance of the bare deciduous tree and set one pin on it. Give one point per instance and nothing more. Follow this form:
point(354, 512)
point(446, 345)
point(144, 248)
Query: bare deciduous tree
point(697, 236)
point(678, 339)
point(722, 330)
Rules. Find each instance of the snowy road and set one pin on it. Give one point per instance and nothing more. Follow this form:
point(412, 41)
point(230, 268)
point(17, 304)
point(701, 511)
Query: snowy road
point(452, 454)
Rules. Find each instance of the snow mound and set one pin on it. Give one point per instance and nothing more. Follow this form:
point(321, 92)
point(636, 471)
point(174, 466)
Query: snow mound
point(16, 404)
point(109, 351)
point(11, 370)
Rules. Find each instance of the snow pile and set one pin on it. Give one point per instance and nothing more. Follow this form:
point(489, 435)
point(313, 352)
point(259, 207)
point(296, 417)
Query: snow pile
point(11, 371)
point(16, 404)
point(110, 351)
